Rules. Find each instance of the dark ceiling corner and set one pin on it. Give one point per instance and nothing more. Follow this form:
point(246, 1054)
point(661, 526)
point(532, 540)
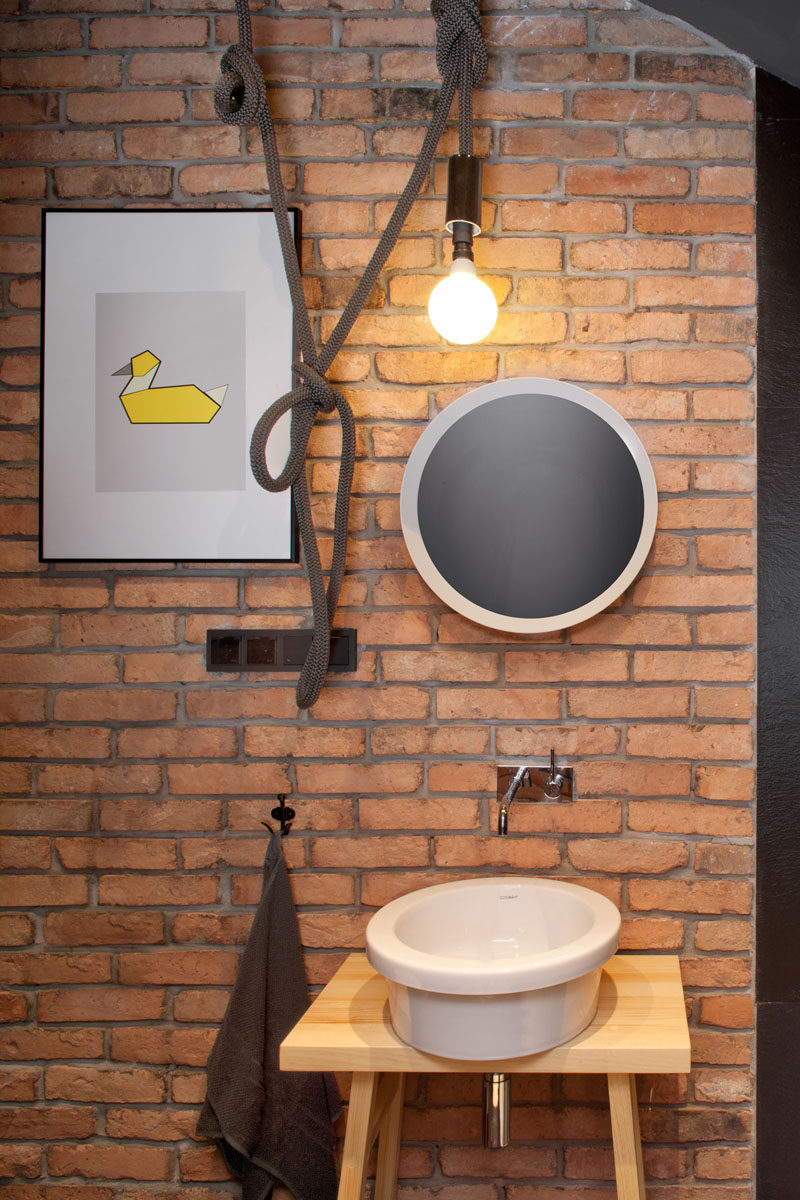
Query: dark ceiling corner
point(767, 31)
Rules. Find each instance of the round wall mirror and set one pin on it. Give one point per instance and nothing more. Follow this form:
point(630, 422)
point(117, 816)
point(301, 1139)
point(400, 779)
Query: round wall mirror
point(528, 505)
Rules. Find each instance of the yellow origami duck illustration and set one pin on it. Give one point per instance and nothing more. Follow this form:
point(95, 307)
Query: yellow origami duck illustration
point(184, 404)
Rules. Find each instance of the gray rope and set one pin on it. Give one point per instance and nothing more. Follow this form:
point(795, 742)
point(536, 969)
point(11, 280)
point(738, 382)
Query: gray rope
point(240, 99)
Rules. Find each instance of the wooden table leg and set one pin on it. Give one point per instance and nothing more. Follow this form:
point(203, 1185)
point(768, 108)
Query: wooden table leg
point(627, 1139)
point(389, 1141)
point(357, 1140)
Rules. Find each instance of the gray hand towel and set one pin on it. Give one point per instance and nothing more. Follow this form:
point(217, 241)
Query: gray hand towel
point(270, 1124)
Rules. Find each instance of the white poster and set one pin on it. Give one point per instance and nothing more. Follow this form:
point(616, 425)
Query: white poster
point(166, 335)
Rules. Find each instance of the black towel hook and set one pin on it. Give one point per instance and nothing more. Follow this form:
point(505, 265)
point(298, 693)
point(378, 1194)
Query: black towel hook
point(284, 814)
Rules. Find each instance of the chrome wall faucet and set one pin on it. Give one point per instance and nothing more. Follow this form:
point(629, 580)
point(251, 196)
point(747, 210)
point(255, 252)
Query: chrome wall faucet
point(529, 782)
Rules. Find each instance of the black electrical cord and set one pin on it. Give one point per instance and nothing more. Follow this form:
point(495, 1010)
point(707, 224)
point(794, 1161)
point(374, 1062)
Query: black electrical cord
point(240, 99)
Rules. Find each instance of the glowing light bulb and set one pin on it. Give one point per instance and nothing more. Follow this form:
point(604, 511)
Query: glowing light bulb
point(462, 307)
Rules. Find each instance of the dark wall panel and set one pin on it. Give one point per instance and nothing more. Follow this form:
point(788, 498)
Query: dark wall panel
point(778, 845)
point(767, 31)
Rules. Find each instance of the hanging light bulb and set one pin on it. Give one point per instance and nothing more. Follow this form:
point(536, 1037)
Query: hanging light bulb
point(462, 308)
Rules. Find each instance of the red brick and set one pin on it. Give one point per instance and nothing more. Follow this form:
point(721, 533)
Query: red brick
point(552, 666)
point(513, 1162)
point(104, 928)
point(583, 366)
point(626, 857)
point(56, 145)
point(651, 933)
point(45, 891)
point(691, 366)
point(188, 67)
point(454, 851)
point(716, 860)
point(602, 180)
point(722, 1048)
point(110, 108)
point(369, 852)
point(423, 814)
point(677, 895)
point(700, 218)
point(137, 1043)
point(98, 1161)
point(486, 704)
point(107, 181)
point(16, 930)
point(21, 1161)
point(513, 253)
point(730, 1011)
point(715, 972)
point(716, 665)
point(62, 71)
point(633, 779)
point(573, 739)
point(692, 68)
point(723, 935)
point(634, 29)
point(726, 181)
point(693, 741)
point(13, 1007)
point(561, 66)
point(559, 216)
point(158, 890)
point(676, 591)
point(98, 780)
point(416, 740)
point(725, 628)
point(721, 106)
point(675, 817)
point(622, 702)
point(198, 853)
point(452, 666)
point(725, 783)
point(43, 967)
point(626, 106)
point(224, 778)
point(722, 1087)
point(136, 32)
point(428, 367)
point(91, 1004)
point(724, 702)
point(19, 1045)
point(178, 966)
point(196, 1005)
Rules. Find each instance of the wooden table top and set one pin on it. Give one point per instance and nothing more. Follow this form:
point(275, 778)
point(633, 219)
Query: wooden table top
point(640, 1025)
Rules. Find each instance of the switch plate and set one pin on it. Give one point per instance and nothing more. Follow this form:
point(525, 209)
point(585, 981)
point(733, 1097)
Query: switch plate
point(233, 650)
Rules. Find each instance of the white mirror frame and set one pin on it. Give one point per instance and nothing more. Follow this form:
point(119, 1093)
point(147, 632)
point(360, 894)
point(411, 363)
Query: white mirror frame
point(417, 462)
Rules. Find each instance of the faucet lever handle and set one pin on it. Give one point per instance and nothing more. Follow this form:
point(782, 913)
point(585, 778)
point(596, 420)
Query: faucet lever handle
point(555, 780)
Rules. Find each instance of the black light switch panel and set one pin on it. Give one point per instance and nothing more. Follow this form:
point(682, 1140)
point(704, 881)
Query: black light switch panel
point(233, 650)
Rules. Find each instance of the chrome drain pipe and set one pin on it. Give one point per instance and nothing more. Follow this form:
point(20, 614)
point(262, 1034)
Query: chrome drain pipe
point(496, 1110)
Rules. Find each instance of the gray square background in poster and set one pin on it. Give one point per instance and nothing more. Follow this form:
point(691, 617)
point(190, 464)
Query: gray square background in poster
point(200, 339)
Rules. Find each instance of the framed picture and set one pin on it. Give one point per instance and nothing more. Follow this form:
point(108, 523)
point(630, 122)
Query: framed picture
point(165, 336)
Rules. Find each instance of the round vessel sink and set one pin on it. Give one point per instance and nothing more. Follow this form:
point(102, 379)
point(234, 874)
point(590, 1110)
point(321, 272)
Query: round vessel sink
point(495, 967)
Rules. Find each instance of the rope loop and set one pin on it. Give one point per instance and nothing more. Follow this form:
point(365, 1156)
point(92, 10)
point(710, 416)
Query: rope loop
point(240, 93)
point(456, 20)
point(323, 395)
point(240, 99)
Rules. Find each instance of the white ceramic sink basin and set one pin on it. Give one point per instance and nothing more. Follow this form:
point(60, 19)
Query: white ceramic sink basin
point(495, 967)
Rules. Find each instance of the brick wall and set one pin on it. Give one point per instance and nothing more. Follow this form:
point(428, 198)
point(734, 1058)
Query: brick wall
point(619, 219)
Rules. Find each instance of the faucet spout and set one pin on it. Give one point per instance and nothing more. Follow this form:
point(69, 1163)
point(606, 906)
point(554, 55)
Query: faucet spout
point(511, 791)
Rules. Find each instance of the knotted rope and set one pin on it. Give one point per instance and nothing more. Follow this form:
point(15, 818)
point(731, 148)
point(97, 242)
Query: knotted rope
point(240, 99)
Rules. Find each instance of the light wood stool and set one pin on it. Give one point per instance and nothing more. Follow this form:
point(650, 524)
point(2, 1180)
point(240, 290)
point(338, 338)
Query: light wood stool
point(640, 1025)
